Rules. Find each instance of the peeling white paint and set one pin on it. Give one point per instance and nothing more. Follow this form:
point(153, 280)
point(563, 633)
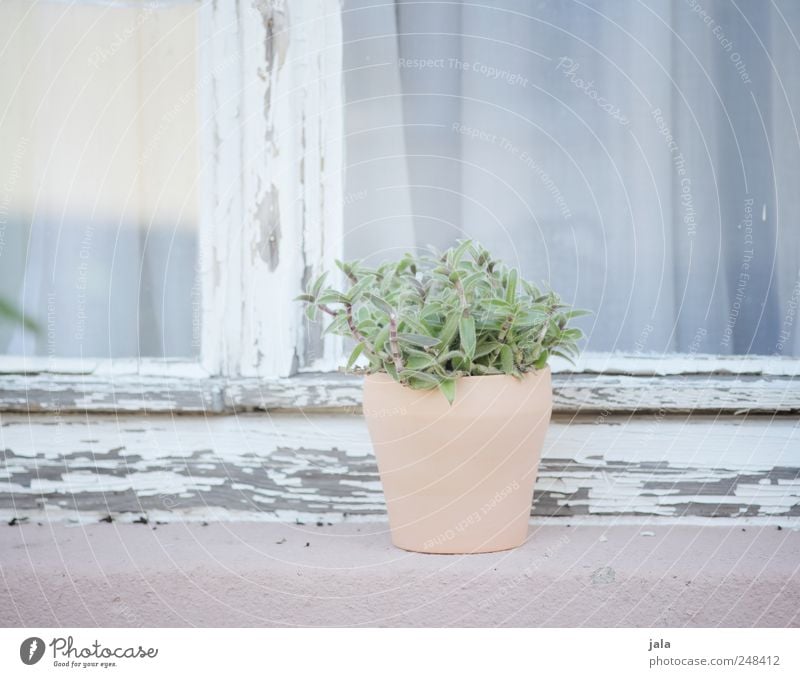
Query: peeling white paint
point(659, 364)
point(273, 212)
point(312, 393)
point(322, 464)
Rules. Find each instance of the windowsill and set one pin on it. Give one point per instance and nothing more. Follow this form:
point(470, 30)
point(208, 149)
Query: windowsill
point(320, 467)
point(181, 389)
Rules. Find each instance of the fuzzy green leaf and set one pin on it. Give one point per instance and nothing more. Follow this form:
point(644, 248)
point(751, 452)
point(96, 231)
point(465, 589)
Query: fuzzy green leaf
point(418, 362)
point(381, 338)
point(466, 330)
point(420, 375)
point(576, 313)
point(448, 388)
point(315, 289)
point(484, 349)
point(381, 304)
point(415, 326)
point(331, 296)
point(418, 340)
point(458, 253)
point(354, 355)
point(506, 359)
point(511, 287)
point(501, 305)
point(568, 358)
point(449, 330)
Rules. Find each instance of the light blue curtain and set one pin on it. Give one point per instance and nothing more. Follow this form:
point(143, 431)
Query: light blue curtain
point(642, 158)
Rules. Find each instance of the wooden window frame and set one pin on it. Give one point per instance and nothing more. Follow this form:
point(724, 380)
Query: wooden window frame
point(271, 140)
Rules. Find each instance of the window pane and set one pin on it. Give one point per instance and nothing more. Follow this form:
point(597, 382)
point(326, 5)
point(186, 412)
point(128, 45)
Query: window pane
point(98, 218)
point(642, 158)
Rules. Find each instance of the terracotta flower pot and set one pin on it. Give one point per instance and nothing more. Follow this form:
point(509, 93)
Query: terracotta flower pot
point(459, 479)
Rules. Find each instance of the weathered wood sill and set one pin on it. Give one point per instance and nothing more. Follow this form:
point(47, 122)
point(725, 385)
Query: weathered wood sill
point(583, 393)
point(320, 467)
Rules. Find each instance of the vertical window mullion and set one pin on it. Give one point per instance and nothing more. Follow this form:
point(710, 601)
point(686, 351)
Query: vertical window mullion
point(272, 187)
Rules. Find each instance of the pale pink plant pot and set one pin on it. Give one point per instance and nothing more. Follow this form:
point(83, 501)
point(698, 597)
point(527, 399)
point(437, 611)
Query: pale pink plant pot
point(459, 479)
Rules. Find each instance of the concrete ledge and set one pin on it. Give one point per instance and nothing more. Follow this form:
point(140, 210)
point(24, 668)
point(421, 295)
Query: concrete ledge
point(251, 574)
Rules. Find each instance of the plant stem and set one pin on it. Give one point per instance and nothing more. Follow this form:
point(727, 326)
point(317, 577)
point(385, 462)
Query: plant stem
point(461, 295)
point(505, 328)
point(393, 343)
point(357, 335)
point(546, 326)
point(501, 337)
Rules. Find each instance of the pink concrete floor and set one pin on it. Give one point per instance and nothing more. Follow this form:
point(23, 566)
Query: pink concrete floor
point(249, 574)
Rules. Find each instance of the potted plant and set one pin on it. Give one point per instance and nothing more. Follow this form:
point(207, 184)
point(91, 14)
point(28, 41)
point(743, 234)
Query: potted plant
point(457, 396)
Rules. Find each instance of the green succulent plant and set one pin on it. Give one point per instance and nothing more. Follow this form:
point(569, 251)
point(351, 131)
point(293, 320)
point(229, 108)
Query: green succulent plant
point(428, 320)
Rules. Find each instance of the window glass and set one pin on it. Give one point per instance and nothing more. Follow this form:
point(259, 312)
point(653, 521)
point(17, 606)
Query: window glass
point(642, 158)
point(98, 221)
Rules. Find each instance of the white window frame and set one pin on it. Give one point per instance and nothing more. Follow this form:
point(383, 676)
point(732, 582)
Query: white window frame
point(271, 140)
